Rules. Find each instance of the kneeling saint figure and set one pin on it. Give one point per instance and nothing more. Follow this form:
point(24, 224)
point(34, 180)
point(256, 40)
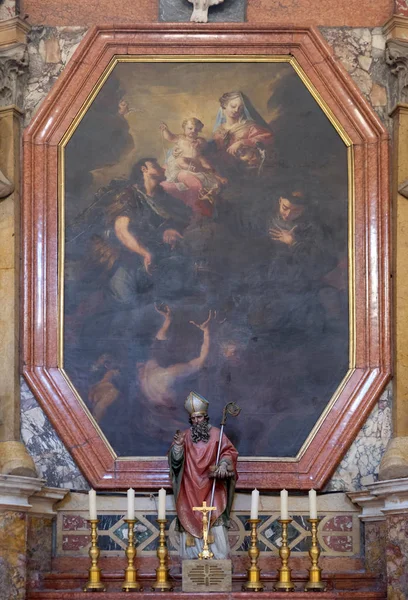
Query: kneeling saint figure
point(192, 460)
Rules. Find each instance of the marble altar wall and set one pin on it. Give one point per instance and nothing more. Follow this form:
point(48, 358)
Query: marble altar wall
point(339, 529)
point(58, 28)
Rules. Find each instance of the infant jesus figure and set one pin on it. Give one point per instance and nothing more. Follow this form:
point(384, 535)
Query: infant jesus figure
point(189, 175)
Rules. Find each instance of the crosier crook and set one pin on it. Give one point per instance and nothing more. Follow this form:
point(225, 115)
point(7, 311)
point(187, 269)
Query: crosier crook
point(229, 409)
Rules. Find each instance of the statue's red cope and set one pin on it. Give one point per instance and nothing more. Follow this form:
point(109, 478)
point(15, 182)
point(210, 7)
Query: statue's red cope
point(196, 485)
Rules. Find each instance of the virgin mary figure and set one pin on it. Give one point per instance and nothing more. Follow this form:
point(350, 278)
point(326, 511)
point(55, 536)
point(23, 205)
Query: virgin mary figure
point(240, 131)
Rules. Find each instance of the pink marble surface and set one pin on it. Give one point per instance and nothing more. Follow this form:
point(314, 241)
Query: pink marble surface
point(39, 549)
point(375, 542)
point(397, 556)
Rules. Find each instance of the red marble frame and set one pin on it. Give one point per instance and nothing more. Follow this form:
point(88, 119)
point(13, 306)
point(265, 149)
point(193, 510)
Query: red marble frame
point(371, 242)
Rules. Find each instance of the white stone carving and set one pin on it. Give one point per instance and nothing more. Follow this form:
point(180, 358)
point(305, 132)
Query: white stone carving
point(200, 12)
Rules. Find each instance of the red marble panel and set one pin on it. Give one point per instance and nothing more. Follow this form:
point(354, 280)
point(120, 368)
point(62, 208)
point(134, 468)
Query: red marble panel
point(340, 523)
point(339, 543)
point(75, 542)
point(401, 8)
point(74, 522)
point(371, 243)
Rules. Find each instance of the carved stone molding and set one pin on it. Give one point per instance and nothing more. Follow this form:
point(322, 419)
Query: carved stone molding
point(16, 491)
point(382, 498)
point(13, 31)
point(13, 74)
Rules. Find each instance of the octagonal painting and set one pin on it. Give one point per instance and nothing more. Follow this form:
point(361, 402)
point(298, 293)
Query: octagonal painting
point(205, 235)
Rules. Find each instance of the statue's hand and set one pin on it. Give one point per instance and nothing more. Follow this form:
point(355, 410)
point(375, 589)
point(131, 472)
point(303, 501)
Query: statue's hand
point(179, 438)
point(220, 472)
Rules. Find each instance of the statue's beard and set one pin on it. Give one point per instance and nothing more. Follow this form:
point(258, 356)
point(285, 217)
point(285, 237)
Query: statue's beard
point(200, 432)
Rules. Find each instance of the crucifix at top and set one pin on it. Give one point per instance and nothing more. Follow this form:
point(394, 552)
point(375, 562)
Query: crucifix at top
point(206, 552)
point(200, 12)
point(221, 11)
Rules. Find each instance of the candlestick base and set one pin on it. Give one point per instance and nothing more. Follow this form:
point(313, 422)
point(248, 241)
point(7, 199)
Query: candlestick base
point(94, 583)
point(284, 582)
point(316, 586)
point(254, 583)
point(315, 583)
point(130, 583)
point(94, 587)
point(162, 583)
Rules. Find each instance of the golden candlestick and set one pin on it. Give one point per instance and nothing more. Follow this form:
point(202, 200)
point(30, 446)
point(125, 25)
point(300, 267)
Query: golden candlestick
point(131, 584)
point(94, 583)
point(162, 583)
point(315, 583)
point(206, 552)
point(254, 583)
point(284, 583)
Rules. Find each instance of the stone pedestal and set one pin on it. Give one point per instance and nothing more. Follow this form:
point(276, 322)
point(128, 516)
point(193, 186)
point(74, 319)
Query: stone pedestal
point(207, 576)
point(385, 514)
point(26, 513)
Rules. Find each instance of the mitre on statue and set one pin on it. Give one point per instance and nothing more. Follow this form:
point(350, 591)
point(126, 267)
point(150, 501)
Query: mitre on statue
point(200, 12)
point(196, 404)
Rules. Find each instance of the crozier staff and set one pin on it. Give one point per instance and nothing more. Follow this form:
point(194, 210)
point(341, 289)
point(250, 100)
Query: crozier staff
point(193, 460)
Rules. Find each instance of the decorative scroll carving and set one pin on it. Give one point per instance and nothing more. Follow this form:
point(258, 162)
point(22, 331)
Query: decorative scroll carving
point(13, 74)
point(396, 56)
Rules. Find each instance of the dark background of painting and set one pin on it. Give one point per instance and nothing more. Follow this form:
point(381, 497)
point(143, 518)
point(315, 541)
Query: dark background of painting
point(279, 344)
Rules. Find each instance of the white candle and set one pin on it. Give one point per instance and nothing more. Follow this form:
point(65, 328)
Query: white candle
point(130, 504)
point(162, 504)
point(284, 505)
point(254, 504)
point(313, 504)
point(92, 505)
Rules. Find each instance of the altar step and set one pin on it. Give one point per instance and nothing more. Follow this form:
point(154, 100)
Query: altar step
point(346, 586)
point(266, 595)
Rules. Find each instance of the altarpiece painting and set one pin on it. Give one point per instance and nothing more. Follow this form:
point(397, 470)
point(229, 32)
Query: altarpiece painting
point(207, 237)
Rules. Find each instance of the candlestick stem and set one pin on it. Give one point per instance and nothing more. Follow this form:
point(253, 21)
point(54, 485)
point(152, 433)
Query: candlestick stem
point(254, 583)
point(284, 582)
point(130, 583)
point(94, 583)
point(315, 583)
point(162, 583)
